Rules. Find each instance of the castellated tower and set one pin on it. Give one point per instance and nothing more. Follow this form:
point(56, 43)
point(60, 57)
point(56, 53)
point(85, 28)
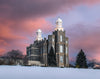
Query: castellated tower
point(59, 42)
point(37, 53)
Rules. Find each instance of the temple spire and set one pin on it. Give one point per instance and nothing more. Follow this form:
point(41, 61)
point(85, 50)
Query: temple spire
point(39, 35)
point(59, 25)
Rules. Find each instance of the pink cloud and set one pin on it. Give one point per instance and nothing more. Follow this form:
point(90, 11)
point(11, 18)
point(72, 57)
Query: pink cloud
point(14, 35)
point(1, 51)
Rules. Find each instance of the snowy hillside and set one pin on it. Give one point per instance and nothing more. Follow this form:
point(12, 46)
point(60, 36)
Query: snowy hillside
point(24, 72)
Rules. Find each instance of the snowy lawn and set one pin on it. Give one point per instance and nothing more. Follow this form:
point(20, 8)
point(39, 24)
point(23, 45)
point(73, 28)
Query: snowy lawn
point(31, 72)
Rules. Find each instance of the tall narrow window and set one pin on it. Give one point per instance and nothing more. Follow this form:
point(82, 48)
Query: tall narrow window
point(61, 59)
point(61, 48)
point(66, 50)
point(66, 42)
point(29, 53)
point(67, 60)
point(53, 39)
point(41, 50)
point(61, 38)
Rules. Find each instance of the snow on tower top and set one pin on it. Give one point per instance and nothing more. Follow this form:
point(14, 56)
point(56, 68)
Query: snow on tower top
point(59, 25)
point(39, 30)
point(59, 20)
point(39, 35)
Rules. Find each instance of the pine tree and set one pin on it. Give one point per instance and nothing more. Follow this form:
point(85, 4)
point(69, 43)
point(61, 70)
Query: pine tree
point(51, 58)
point(81, 61)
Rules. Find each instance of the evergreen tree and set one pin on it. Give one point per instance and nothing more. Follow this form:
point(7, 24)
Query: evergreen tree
point(81, 61)
point(51, 58)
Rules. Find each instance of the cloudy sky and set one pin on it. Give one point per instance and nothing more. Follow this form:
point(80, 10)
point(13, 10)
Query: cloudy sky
point(19, 20)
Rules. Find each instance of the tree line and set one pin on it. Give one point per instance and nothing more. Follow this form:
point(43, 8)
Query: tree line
point(13, 57)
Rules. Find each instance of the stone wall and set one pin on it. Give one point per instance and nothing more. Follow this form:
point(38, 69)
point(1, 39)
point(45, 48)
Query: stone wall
point(40, 49)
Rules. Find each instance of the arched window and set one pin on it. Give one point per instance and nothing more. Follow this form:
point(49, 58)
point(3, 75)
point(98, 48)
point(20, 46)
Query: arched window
point(29, 53)
point(53, 39)
point(66, 50)
point(41, 50)
point(61, 38)
point(67, 60)
point(61, 48)
point(66, 42)
point(61, 59)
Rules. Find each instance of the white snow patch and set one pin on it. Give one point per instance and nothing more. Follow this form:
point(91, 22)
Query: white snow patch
point(25, 72)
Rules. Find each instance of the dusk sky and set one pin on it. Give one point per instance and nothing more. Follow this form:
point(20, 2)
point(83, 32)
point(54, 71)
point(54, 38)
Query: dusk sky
point(20, 19)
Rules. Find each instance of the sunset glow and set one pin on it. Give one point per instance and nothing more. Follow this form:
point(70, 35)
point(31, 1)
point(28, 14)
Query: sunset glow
point(19, 20)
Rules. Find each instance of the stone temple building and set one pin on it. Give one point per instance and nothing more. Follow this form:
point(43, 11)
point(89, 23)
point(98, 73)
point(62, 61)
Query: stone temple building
point(37, 53)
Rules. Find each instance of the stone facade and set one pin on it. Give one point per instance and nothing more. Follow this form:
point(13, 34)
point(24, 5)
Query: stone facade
point(38, 51)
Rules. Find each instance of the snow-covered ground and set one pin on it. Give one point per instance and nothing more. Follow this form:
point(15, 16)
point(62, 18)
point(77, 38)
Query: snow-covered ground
point(24, 72)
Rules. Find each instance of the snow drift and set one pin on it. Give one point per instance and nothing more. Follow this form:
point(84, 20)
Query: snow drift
point(24, 72)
